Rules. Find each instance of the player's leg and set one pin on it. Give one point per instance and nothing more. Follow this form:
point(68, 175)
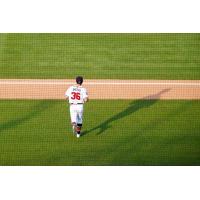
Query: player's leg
point(73, 115)
point(74, 127)
point(79, 120)
point(78, 129)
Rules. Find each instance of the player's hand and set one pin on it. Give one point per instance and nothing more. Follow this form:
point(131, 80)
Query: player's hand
point(85, 100)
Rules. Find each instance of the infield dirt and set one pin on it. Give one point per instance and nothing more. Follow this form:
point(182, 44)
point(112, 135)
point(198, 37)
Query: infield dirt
point(101, 89)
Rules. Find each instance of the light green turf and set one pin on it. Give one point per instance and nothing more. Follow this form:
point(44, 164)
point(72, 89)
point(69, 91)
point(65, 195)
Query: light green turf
point(97, 56)
point(138, 132)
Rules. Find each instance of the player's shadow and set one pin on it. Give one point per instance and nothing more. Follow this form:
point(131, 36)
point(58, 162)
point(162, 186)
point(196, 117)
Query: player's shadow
point(35, 111)
point(133, 107)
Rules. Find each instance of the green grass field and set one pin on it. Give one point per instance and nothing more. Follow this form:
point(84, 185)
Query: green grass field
point(98, 56)
point(117, 132)
point(139, 132)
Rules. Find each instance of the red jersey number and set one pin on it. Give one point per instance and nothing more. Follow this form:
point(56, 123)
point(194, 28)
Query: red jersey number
point(75, 95)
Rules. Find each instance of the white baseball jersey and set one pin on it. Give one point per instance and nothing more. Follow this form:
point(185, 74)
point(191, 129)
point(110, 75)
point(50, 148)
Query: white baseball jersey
point(76, 95)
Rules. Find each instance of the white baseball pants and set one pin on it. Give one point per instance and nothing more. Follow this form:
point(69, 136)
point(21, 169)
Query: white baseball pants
point(76, 113)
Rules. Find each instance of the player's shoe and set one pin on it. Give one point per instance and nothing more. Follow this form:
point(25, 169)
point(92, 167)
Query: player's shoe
point(78, 135)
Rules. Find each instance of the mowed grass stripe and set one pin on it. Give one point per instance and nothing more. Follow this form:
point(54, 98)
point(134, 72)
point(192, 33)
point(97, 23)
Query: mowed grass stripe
point(98, 56)
point(139, 132)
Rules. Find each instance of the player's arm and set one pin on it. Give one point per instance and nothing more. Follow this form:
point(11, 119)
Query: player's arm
point(67, 94)
point(85, 96)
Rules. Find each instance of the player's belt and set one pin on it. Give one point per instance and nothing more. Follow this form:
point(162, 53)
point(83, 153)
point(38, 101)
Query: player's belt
point(75, 103)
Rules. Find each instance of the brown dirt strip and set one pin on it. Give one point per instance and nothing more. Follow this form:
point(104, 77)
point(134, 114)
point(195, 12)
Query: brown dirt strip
point(101, 89)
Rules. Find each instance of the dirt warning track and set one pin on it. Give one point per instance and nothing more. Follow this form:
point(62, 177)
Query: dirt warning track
point(101, 89)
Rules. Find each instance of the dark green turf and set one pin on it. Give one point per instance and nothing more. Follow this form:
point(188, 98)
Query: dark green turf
point(97, 56)
point(139, 132)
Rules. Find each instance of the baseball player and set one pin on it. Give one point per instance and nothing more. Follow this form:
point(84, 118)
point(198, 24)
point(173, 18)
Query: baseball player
point(77, 96)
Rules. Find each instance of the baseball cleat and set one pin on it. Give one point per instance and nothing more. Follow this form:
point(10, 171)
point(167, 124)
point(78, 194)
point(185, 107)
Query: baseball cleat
point(78, 135)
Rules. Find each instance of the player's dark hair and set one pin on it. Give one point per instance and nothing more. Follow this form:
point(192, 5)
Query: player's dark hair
point(79, 80)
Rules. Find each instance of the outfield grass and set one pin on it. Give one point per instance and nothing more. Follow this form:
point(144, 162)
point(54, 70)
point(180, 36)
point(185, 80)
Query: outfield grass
point(139, 132)
point(97, 56)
